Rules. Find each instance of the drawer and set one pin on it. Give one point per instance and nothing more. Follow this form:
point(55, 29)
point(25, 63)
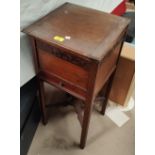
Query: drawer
point(66, 70)
point(63, 85)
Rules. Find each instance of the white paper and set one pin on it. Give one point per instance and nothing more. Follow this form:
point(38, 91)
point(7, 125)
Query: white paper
point(116, 115)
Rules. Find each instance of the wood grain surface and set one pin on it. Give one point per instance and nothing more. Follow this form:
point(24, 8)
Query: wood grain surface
point(76, 49)
point(92, 33)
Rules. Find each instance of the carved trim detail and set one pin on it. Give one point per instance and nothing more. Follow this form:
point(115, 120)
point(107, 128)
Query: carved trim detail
point(68, 57)
point(63, 55)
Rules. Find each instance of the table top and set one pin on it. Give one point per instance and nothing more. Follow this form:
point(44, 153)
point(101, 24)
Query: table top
point(86, 31)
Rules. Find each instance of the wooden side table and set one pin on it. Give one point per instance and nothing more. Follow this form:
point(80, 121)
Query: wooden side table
point(76, 49)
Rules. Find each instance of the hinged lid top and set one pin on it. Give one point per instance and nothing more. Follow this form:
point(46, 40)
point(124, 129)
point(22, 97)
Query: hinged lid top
point(88, 32)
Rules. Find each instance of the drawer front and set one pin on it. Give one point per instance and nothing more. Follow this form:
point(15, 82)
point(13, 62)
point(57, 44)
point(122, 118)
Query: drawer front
point(63, 85)
point(64, 69)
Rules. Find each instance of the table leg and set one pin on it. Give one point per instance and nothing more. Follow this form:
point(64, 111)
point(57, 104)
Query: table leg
point(107, 93)
point(85, 123)
point(42, 101)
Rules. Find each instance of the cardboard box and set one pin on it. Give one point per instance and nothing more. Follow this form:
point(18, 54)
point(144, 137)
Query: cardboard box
point(123, 84)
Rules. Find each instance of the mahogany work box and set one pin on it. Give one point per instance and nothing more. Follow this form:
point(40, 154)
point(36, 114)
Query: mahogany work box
point(76, 49)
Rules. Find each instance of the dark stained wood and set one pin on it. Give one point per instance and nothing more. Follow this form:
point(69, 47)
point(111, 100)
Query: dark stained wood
point(88, 104)
point(111, 79)
point(107, 92)
point(62, 54)
point(106, 68)
point(42, 100)
point(92, 32)
point(79, 110)
point(35, 54)
point(61, 84)
point(40, 82)
point(82, 64)
point(63, 69)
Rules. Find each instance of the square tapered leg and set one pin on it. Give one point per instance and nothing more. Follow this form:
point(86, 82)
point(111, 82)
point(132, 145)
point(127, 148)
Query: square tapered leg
point(42, 101)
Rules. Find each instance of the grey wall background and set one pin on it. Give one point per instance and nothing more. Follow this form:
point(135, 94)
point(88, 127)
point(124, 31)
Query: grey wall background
point(31, 10)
